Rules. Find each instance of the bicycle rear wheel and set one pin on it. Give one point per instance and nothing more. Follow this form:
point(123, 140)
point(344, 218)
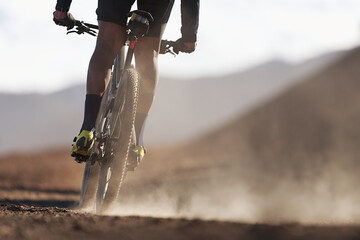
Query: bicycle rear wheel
point(113, 168)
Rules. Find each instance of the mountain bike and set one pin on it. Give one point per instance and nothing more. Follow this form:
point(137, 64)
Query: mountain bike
point(113, 153)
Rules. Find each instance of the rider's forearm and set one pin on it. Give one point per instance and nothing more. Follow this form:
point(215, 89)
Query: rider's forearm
point(189, 19)
point(63, 5)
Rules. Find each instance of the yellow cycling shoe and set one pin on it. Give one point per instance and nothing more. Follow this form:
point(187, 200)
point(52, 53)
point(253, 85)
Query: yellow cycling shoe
point(140, 152)
point(83, 143)
point(135, 157)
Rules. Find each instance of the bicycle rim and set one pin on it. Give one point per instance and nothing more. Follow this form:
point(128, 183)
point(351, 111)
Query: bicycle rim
point(113, 170)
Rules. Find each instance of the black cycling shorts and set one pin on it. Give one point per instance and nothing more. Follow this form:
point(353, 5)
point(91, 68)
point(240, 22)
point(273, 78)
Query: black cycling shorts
point(116, 11)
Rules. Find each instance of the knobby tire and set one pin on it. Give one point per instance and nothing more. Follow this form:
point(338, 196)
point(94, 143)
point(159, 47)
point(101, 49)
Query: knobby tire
point(113, 169)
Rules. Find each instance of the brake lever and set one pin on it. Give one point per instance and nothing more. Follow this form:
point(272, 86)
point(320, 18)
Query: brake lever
point(170, 51)
point(81, 28)
point(72, 31)
point(91, 32)
point(166, 48)
point(82, 31)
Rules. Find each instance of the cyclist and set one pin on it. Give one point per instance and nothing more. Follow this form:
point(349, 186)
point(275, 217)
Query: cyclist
point(112, 18)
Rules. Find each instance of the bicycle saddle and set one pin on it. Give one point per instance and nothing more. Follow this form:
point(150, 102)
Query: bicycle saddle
point(142, 13)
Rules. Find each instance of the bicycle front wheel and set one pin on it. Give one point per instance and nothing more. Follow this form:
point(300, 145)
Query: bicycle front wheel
point(113, 169)
point(92, 169)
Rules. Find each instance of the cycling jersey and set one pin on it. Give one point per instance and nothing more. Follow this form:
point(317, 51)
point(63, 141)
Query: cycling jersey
point(116, 11)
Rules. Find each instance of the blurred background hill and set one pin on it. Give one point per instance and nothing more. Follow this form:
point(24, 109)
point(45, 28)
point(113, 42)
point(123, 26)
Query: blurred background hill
point(183, 109)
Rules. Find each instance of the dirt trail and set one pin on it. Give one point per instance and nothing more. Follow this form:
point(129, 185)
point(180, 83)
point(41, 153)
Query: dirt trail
point(19, 221)
point(24, 222)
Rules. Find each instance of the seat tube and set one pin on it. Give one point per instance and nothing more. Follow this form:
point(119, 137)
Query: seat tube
point(130, 53)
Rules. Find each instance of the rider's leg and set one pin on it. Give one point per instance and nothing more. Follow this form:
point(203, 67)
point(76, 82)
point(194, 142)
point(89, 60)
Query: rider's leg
point(110, 39)
point(146, 57)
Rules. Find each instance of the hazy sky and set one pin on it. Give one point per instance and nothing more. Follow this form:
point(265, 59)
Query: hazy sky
point(36, 55)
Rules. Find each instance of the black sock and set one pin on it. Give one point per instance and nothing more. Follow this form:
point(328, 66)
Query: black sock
point(92, 105)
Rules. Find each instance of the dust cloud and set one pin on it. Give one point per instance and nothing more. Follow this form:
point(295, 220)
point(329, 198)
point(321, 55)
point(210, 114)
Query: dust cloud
point(328, 197)
point(219, 204)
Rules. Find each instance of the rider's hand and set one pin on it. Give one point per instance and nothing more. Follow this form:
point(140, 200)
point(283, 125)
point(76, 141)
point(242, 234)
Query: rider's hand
point(189, 47)
point(186, 47)
point(64, 19)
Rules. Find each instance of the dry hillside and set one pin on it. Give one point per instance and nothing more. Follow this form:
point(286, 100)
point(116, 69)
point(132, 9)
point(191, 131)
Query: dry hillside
point(315, 123)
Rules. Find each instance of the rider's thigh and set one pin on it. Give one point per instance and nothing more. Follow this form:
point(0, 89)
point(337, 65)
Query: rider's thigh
point(109, 42)
point(111, 38)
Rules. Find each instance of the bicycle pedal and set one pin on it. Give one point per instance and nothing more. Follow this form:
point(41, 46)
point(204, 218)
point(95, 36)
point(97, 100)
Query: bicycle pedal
point(80, 158)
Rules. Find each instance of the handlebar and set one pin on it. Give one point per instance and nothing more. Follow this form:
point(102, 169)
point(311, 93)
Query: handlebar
point(82, 27)
point(172, 47)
